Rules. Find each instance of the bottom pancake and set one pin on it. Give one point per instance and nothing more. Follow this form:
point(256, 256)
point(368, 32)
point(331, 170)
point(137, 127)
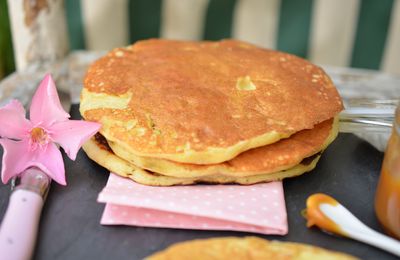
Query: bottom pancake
point(98, 150)
point(271, 158)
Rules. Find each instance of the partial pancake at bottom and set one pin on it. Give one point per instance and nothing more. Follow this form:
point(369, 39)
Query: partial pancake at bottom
point(100, 152)
point(245, 248)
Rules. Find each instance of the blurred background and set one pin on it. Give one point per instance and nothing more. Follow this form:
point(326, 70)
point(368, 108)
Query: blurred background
point(6, 50)
point(345, 33)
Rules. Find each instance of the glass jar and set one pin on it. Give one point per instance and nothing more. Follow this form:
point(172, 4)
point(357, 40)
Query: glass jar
point(387, 198)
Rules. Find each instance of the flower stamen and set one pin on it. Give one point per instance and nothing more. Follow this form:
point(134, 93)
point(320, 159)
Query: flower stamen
point(38, 137)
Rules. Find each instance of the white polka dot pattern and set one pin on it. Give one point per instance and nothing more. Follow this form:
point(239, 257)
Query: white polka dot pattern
point(258, 208)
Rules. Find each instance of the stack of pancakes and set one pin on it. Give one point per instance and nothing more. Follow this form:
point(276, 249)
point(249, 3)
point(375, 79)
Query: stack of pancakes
point(178, 112)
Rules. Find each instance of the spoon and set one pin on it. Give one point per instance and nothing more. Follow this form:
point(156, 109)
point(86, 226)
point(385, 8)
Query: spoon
point(326, 213)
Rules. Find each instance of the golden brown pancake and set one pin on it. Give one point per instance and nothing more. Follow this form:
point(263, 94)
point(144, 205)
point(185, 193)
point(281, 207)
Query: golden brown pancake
point(98, 150)
point(275, 157)
point(204, 102)
point(247, 248)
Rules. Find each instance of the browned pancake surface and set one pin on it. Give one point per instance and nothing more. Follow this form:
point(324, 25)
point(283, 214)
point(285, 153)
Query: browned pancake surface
point(185, 94)
point(284, 153)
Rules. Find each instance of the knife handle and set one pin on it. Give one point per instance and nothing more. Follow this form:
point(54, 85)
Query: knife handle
point(20, 224)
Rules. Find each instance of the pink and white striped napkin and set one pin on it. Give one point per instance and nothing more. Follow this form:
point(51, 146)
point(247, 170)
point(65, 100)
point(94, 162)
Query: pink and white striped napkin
point(256, 208)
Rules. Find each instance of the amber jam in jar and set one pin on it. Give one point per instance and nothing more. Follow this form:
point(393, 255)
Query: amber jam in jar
point(387, 198)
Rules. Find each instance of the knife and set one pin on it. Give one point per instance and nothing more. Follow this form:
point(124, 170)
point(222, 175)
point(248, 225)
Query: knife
point(19, 227)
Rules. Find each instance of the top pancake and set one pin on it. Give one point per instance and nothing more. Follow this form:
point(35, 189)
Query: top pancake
point(204, 102)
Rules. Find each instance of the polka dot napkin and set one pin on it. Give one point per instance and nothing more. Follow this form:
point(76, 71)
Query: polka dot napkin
point(257, 208)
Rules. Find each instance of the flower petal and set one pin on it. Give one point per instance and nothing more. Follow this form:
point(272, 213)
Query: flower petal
point(15, 158)
point(18, 156)
point(13, 121)
point(51, 162)
point(72, 134)
point(46, 107)
point(16, 106)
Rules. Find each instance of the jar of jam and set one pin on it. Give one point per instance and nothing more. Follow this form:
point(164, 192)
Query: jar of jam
point(387, 198)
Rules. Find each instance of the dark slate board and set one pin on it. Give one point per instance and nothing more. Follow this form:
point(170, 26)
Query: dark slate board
point(70, 229)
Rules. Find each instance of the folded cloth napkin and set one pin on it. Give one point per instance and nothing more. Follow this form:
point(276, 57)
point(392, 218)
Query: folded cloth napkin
point(256, 208)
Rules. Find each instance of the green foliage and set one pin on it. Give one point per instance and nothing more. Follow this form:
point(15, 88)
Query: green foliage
point(6, 51)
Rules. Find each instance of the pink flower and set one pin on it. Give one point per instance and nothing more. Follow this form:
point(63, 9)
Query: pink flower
point(28, 143)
